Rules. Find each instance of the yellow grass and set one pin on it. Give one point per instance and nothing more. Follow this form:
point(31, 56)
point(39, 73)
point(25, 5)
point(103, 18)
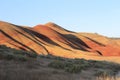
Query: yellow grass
point(108, 78)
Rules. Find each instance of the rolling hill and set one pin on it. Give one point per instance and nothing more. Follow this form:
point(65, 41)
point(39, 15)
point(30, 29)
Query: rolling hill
point(51, 38)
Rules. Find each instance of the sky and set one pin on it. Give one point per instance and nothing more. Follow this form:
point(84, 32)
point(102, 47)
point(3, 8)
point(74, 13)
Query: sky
point(96, 16)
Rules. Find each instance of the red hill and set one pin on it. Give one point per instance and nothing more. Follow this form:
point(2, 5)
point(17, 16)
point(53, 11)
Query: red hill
point(53, 39)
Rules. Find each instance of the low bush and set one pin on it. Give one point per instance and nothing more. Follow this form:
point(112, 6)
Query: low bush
point(57, 64)
point(13, 54)
point(74, 69)
point(68, 66)
point(77, 65)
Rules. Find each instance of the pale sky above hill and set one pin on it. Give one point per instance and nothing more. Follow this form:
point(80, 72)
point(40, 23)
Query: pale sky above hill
point(97, 16)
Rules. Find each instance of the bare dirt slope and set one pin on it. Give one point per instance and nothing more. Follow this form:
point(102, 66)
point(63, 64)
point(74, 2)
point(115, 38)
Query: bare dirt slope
point(53, 39)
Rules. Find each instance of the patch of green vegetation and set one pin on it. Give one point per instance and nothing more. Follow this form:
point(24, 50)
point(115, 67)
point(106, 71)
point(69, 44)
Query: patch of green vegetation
point(74, 69)
point(70, 65)
point(50, 56)
point(57, 64)
point(77, 65)
point(13, 54)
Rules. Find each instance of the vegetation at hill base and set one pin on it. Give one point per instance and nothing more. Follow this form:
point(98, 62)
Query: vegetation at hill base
point(26, 61)
point(13, 54)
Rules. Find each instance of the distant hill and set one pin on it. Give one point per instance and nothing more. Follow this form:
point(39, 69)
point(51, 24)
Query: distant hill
point(51, 38)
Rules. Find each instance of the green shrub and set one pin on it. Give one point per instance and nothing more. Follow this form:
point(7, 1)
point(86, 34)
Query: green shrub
point(50, 56)
point(57, 64)
point(68, 66)
point(13, 54)
point(79, 61)
point(21, 58)
point(25, 53)
point(9, 56)
point(77, 65)
point(73, 69)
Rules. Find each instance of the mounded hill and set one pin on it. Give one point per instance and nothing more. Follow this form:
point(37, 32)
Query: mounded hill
point(52, 39)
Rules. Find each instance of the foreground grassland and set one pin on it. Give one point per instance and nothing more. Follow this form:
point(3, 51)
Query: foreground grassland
point(24, 65)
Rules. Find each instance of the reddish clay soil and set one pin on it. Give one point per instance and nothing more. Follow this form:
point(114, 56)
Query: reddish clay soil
point(53, 39)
